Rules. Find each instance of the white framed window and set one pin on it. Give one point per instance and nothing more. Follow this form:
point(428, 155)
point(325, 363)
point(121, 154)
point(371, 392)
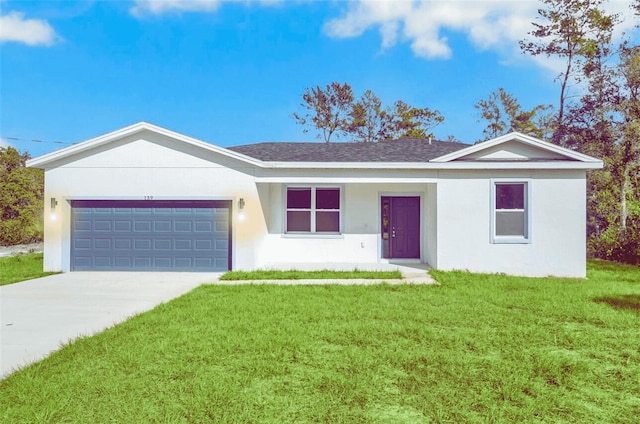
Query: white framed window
point(313, 210)
point(511, 211)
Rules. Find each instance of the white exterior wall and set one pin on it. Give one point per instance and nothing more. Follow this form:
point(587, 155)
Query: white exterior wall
point(151, 165)
point(455, 207)
point(138, 168)
point(360, 241)
point(558, 210)
point(431, 225)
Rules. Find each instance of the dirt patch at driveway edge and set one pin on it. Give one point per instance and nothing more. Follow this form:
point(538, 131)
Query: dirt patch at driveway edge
point(21, 249)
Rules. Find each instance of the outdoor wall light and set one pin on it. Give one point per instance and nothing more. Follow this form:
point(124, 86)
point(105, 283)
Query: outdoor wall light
point(54, 203)
point(242, 216)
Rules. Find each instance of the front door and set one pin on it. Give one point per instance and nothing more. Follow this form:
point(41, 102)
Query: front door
point(400, 226)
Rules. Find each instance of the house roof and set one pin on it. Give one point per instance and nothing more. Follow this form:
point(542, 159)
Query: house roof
point(548, 150)
point(511, 151)
point(105, 139)
point(400, 150)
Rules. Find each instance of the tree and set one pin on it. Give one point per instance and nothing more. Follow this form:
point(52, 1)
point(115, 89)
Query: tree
point(504, 114)
point(327, 108)
point(571, 30)
point(21, 199)
point(409, 121)
point(368, 121)
point(333, 110)
point(606, 123)
point(628, 151)
point(601, 119)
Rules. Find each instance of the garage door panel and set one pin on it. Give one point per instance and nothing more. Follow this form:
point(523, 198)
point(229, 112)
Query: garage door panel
point(162, 262)
point(142, 262)
point(204, 245)
point(124, 262)
point(162, 244)
point(122, 244)
point(102, 243)
point(141, 244)
point(102, 262)
point(122, 225)
point(83, 244)
point(182, 245)
point(102, 226)
point(183, 263)
point(162, 226)
point(83, 261)
point(182, 226)
point(82, 225)
point(204, 263)
point(142, 226)
point(176, 235)
point(203, 226)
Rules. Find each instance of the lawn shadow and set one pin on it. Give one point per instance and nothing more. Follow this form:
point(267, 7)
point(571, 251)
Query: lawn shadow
point(627, 301)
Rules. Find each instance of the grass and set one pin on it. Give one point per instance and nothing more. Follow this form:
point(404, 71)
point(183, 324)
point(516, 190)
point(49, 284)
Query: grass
point(476, 348)
point(310, 275)
point(18, 268)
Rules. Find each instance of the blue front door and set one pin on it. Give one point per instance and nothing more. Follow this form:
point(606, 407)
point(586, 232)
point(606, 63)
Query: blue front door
point(401, 227)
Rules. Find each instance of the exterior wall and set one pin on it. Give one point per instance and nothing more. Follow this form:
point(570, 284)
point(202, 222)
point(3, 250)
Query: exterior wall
point(558, 210)
point(138, 168)
point(455, 208)
point(360, 241)
point(431, 226)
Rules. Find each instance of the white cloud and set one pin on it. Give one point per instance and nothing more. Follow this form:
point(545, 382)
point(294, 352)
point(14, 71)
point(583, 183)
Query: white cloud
point(4, 143)
point(158, 7)
point(489, 25)
point(33, 32)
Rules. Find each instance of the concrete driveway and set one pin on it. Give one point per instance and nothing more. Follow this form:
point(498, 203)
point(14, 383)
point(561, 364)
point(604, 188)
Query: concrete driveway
point(37, 316)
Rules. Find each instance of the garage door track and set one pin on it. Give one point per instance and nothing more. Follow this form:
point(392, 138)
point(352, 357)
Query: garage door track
point(38, 316)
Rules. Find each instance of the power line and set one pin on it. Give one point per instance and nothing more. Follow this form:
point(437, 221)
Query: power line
point(36, 140)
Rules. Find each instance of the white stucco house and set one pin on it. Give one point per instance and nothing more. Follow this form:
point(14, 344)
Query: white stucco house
point(146, 198)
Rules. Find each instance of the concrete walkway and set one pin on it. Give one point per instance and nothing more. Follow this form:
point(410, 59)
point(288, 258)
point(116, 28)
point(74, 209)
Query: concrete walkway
point(412, 273)
point(38, 316)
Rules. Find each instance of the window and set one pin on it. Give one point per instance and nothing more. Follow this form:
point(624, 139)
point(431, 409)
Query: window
point(510, 212)
point(313, 210)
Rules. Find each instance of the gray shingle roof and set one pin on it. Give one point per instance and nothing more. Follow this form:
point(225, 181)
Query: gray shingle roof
point(400, 150)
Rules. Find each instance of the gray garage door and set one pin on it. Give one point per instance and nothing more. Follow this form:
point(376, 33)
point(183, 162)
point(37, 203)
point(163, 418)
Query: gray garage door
point(150, 235)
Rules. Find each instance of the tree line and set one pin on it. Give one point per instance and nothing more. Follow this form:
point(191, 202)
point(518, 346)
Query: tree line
point(597, 113)
point(21, 199)
point(334, 110)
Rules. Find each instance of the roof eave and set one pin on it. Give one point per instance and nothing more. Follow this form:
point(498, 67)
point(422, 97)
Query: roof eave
point(595, 164)
point(523, 138)
point(49, 158)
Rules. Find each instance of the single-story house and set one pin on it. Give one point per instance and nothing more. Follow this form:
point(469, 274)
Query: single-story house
point(146, 198)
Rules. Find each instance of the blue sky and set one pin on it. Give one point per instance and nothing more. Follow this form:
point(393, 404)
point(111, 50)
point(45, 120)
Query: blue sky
point(232, 72)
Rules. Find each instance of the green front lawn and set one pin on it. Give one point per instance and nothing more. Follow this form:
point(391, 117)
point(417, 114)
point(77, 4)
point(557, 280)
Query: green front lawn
point(18, 268)
point(477, 348)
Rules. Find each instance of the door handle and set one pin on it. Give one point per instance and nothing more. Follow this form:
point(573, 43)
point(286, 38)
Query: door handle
point(393, 233)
